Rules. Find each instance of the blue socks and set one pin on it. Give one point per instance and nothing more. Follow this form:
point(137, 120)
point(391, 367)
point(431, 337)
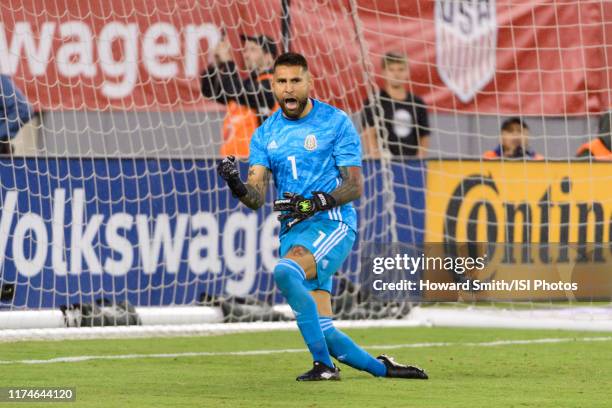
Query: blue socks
point(290, 277)
point(319, 334)
point(346, 351)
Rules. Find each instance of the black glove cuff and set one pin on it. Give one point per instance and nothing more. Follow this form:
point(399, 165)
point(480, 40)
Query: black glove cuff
point(324, 201)
point(237, 186)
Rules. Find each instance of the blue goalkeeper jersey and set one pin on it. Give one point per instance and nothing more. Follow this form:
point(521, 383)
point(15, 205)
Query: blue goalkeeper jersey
point(305, 154)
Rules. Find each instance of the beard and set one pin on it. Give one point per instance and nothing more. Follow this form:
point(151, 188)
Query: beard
point(292, 106)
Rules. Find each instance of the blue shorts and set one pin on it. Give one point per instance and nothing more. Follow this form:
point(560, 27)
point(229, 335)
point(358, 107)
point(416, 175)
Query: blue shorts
point(330, 241)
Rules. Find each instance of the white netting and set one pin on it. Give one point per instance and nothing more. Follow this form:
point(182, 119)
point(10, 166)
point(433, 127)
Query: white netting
point(111, 191)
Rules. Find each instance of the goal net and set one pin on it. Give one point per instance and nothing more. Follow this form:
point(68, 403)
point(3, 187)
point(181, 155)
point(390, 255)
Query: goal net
point(112, 211)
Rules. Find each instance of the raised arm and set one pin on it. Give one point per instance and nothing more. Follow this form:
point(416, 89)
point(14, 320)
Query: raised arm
point(253, 193)
point(221, 80)
point(256, 186)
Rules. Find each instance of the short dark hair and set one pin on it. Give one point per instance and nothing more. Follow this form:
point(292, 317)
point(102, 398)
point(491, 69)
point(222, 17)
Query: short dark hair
point(393, 58)
point(513, 121)
point(291, 59)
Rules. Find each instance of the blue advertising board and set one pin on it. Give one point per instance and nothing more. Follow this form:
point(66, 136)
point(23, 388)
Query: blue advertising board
point(155, 231)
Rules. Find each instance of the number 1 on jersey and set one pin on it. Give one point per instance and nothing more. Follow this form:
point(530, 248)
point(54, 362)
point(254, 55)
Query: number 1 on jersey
point(293, 166)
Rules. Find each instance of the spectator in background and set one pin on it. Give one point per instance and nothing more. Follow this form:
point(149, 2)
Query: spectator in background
point(15, 111)
point(514, 142)
point(249, 100)
point(599, 148)
point(404, 115)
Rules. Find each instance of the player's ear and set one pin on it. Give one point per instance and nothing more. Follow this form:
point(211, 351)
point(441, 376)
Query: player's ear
point(309, 78)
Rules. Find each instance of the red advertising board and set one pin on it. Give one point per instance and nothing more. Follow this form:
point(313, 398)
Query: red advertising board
point(496, 57)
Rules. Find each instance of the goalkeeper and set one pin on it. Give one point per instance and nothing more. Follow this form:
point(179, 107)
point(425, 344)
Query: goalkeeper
point(314, 154)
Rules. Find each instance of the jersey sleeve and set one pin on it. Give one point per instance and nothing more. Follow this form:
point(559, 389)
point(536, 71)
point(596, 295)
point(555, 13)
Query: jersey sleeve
point(257, 150)
point(347, 150)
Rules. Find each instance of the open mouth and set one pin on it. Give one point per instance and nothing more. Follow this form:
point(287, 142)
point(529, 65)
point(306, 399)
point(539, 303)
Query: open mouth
point(291, 103)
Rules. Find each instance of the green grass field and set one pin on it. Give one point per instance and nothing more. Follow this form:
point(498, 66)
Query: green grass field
point(572, 373)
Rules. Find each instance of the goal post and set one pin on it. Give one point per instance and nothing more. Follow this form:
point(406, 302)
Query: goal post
point(115, 201)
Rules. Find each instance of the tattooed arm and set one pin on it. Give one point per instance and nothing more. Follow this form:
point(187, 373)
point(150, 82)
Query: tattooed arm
point(256, 185)
point(351, 187)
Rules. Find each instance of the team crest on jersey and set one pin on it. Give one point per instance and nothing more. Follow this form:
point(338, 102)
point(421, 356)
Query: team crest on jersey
point(310, 143)
point(466, 43)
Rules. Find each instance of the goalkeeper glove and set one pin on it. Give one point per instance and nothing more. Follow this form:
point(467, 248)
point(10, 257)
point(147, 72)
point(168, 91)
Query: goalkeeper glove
point(228, 170)
point(299, 208)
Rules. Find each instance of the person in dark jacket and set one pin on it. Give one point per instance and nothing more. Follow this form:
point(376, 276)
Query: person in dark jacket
point(249, 100)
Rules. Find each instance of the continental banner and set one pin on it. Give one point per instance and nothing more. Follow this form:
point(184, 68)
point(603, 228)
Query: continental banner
point(554, 220)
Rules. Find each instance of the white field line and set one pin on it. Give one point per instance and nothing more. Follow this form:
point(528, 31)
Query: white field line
point(76, 359)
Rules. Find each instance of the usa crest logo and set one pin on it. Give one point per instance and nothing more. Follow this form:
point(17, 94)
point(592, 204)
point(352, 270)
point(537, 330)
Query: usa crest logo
point(310, 143)
point(466, 43)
